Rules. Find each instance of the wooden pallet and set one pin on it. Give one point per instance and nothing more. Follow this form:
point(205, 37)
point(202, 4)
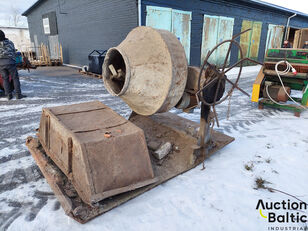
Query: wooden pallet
point(90, 74)
point(39, 63)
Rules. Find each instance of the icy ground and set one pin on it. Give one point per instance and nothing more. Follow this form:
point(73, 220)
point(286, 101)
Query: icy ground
point(272, 144)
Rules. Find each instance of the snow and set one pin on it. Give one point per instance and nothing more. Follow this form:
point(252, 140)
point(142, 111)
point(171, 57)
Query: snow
point(222, 197)
point(233, 73)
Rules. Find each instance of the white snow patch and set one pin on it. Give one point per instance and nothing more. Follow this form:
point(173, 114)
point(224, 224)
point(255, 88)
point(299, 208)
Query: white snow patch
point(5, 152)
point(247, 71)
point(23, 163)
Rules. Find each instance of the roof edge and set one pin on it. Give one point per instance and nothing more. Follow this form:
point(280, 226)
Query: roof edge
point(28, 11)
point(13, 27)
point(255, 2)
point(281, 8)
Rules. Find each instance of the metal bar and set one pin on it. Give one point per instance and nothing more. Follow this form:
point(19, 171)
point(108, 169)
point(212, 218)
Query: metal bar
point(242, 60)
point(237, 87)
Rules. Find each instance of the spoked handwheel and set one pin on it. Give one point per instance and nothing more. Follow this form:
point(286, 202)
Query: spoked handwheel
point(211, 92)
point(218, 76)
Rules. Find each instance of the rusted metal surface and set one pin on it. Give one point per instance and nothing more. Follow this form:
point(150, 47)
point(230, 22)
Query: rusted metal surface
point(192, 79)
point(154, 68)
point(159, 128)
point(98, 150)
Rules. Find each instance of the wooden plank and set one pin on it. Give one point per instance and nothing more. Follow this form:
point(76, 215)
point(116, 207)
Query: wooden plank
point(257, 86)
point(90, 74)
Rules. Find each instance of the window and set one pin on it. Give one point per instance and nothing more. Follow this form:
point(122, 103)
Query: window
point(46, 25)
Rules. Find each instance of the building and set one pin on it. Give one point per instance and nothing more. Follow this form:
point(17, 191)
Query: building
point(19, 36)
point(85, 25)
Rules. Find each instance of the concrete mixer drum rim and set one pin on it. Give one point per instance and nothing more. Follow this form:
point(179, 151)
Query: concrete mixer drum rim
point(116, 84)
point(147, 70)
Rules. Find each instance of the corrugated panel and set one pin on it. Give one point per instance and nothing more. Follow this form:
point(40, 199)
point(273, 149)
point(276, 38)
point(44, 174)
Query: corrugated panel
point(250, 41)
point(215, 30)
point(159, 17)
point(274, 36)
point(181, 27)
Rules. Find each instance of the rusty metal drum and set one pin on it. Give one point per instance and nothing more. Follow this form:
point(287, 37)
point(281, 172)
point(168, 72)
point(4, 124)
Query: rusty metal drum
point(148, 70)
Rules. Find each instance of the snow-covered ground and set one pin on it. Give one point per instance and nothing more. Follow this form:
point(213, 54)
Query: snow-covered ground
point(272, 144)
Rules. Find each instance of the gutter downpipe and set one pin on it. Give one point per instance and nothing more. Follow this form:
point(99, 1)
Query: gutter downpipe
point(288, 23)
point(139, 13)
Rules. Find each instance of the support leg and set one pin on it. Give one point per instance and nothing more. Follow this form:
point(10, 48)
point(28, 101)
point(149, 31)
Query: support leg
point(204, 132)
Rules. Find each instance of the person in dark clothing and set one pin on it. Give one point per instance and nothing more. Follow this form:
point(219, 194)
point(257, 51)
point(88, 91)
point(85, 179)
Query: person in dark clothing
point(286, 44)
point(305, 45)
point(8, 67)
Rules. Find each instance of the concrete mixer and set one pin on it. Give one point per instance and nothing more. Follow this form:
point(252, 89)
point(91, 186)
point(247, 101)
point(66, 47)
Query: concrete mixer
point(95, 160)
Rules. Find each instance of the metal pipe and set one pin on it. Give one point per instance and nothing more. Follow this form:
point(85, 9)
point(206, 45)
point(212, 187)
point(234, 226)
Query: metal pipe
point(288, 23)
point(139, 13)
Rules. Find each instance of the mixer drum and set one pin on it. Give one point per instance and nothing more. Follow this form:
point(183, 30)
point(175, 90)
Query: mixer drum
point(148, 70)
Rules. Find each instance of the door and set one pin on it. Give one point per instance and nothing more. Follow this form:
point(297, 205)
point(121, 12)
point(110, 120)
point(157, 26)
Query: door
point(159, 18)
point(54, 47)
point(225, 32)
point(215, 30)
point(36, 47)
point(250, 41)
point(181, 28)
point(274, 36)
point(176, 21)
